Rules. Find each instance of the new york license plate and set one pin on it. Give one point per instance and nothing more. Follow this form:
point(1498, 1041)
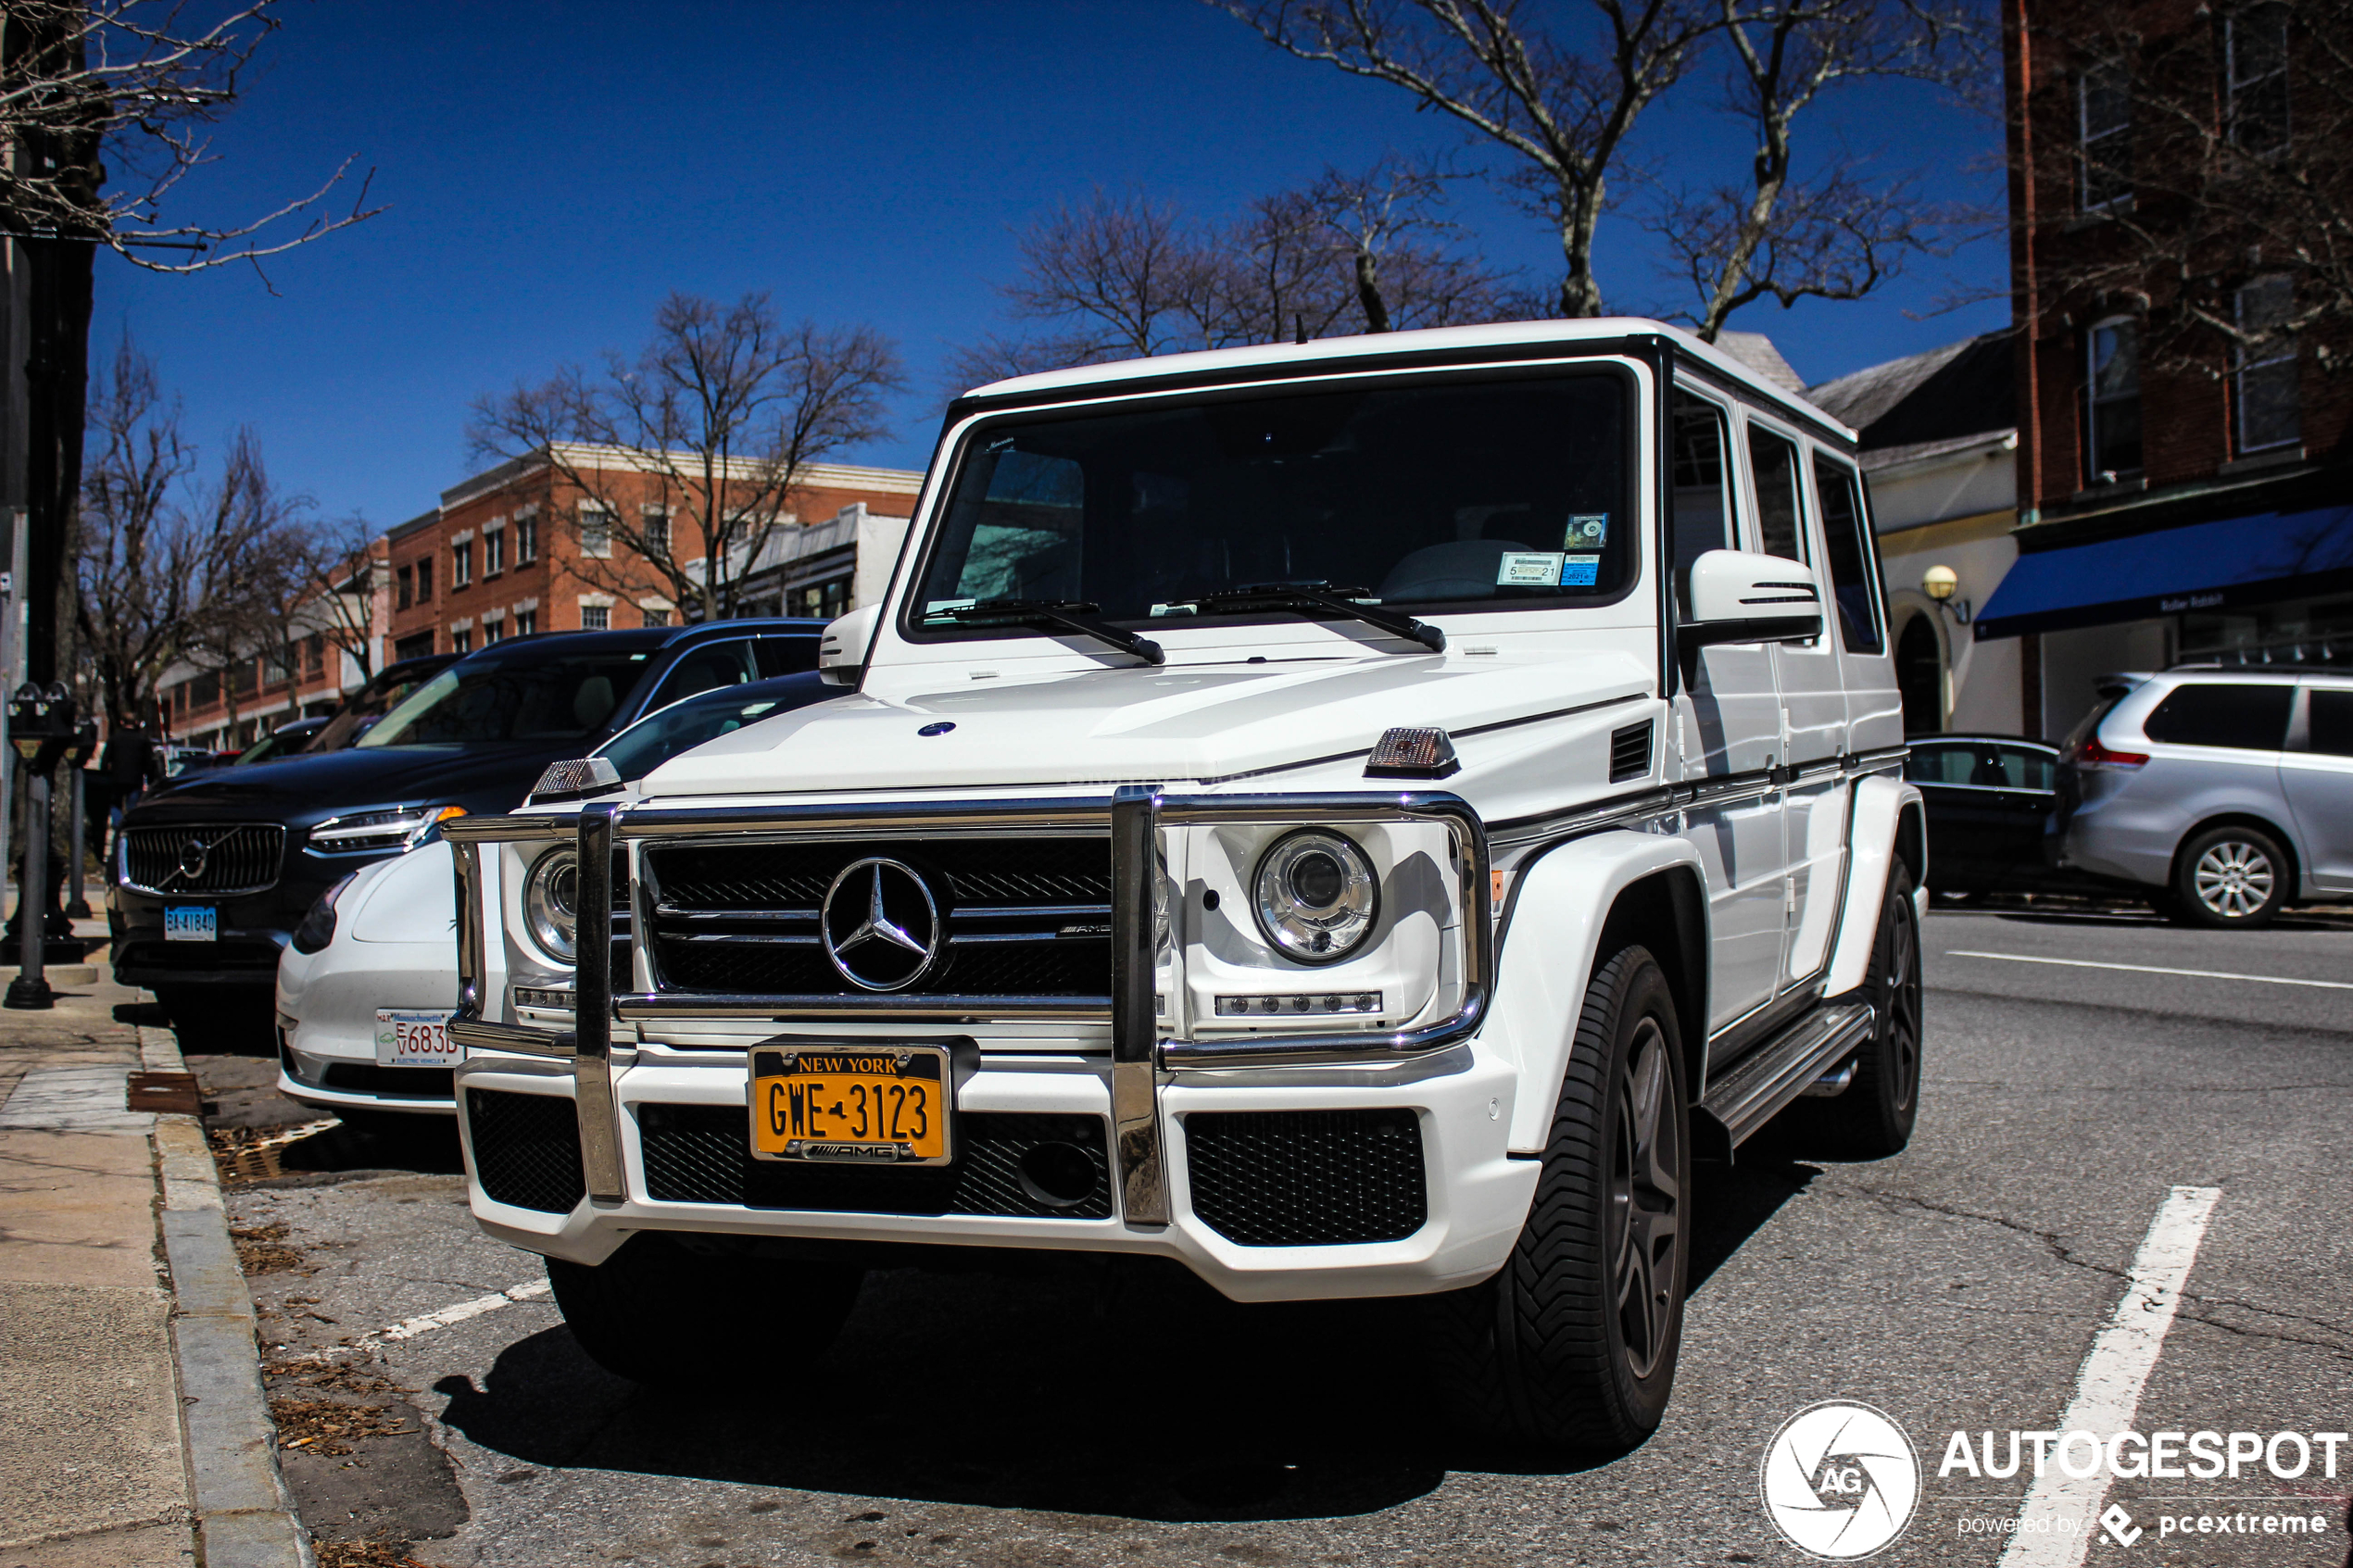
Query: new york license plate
point(191, 922)
point(886, 1105)
point(415, 1039)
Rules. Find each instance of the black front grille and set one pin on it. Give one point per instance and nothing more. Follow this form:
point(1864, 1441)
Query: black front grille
point(1020, 916)
point(1629, 752)
point(702, 1154)
point(1307, 1178)
point(399, 1083)
point(526, 1149)
point(216, 857)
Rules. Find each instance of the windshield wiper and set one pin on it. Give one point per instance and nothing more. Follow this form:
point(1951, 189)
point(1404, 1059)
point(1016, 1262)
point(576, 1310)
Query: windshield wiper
point(1064, 615)
point(1322, 598)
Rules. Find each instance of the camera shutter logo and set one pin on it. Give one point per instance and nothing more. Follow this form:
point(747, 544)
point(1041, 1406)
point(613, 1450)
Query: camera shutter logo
point(1840, 1480)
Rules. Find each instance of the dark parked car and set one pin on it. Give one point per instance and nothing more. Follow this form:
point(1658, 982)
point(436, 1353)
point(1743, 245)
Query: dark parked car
point(1990, 800)
point(285, 741)
point(214, 872)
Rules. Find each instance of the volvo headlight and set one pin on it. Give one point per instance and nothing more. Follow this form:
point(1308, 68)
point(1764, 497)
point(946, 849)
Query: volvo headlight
point(373, 832)
point(1316, 896)
point(551, 904)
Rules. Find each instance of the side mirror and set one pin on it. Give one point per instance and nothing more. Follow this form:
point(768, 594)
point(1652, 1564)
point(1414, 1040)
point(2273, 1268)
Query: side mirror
point(1739, 596)
point(843, 646)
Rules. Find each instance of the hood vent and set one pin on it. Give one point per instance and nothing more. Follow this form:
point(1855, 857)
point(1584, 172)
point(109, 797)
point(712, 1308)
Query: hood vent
point(1629, 752)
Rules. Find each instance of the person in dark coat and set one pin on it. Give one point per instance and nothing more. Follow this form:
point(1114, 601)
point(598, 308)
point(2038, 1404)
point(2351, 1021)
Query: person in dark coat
point(130, 762)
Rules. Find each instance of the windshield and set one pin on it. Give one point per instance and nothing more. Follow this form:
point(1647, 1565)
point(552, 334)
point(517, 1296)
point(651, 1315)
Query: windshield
point(352, 720)
point(656, 738)
point(481, 702)
point(1490, 495)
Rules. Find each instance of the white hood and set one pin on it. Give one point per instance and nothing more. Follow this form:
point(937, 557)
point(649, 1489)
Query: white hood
point(1196, 722)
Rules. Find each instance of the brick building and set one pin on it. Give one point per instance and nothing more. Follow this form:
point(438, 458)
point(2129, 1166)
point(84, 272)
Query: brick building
point(518, 549)
point(228, 710)
point(2184, 490)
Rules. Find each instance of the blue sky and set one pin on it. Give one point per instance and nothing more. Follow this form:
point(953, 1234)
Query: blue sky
point(553, 171)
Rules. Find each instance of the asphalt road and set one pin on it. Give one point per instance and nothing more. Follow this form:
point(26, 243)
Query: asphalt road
point(1085, 1419)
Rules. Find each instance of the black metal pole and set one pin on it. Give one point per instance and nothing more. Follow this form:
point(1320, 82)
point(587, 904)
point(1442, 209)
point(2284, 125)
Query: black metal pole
point(30, 989)
point(77, 801)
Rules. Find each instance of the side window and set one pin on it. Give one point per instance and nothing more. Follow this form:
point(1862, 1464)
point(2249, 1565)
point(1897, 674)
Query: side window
point(1703, 520)
point(784, 656)
point(1780, 529)
point(706, 669)
point(1940, 764)
point(1846, 542)
point(2243, 716)
point(2024, 769)
point(2332, 722)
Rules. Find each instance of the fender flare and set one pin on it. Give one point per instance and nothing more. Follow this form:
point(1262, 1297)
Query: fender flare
point(1554, 923)
point(1878, 824)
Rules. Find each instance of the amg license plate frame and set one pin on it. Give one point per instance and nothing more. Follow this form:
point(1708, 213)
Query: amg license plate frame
point(887, 1103)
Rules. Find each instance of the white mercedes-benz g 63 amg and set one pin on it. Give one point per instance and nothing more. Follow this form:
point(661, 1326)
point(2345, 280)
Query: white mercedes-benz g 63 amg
point(1356, 819)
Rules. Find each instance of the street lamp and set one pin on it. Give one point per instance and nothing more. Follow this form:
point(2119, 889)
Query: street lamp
point(1939, 582)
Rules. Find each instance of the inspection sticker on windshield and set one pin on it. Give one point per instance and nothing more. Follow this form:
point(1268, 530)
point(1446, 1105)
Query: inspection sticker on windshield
point(415, 1039)
point(1587, 531)
point(1580, 572)
point(1529, 568)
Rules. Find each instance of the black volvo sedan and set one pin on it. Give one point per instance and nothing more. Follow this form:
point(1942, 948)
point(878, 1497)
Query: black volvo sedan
point(212, 873)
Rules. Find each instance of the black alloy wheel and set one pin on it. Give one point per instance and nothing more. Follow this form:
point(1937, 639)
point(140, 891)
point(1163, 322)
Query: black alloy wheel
point(1645, 1199)
point(1874, 1115)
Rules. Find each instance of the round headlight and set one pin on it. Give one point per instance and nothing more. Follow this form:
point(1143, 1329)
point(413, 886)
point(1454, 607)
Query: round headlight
point(551, 903)
point(1316, 896)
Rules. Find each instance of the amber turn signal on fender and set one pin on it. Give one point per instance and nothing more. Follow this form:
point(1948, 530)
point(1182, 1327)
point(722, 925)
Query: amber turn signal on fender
point(1413, 753)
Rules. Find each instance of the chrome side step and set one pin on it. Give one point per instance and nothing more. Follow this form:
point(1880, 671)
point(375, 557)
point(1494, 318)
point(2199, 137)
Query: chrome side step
point(1768, 1078)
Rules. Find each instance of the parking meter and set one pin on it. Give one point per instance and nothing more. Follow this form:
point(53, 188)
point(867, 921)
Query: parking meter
point(40, 726)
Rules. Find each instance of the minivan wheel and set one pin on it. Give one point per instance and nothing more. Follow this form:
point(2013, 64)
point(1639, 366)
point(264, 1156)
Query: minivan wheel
point(1573, 1344)
point(2231, 876)
point(665, 1314)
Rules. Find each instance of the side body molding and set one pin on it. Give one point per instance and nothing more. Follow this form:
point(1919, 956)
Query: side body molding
point(1555, 923)
point(1881, 803)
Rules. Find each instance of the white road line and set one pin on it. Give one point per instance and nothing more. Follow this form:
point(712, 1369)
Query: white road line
point(2157, 969)
point(2108, 1388)
point(461, 1312)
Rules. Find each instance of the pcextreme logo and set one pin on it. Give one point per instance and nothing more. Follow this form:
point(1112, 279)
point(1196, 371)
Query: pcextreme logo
point(1840, 1480)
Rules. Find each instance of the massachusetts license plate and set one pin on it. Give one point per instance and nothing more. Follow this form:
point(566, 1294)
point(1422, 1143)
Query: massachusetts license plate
point(887, 1105)
point(415, 1039)
point(191, 922)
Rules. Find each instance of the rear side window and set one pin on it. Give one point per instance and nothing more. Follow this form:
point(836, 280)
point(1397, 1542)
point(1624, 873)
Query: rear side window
point(2241, 716)
point(1941, 764)
point(2332, 722)
point(1703, 503)
point(1774, 461)
point(2021, 768)
point(1846, 544)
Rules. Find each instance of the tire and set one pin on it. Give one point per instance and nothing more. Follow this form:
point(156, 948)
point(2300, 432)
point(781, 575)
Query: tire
point(2231, 877)
point(1874, 1118)
point(1573, 1343)
point(671, 1319)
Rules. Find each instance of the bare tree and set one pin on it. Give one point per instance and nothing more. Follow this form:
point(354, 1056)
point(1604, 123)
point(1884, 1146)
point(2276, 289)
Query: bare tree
point(1828, 234)
point(1562, 110)
point(690, 454)
point(135, 83)
point(172, 566)
point(2230, 164)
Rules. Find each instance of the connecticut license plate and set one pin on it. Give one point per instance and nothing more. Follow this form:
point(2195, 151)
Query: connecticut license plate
point(191, 922)
point(886, 1105)
point(415, 1039)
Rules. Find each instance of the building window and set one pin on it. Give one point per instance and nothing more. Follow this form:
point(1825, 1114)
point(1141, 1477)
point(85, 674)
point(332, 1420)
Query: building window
point(492, 631)
point(404, 590)
point(2113, 381)
point(2269, 408)
point(526, 621)
point(2104, 142)
point(424, 581)
point(656, 618)
point(526, 540)
point(494, 551)
point(461, 639)
point(595, 533)
point(596, 618)
point(314, 655)
point(2254, 43)
point(657, 531)
point(461, 564)
point(415, 645)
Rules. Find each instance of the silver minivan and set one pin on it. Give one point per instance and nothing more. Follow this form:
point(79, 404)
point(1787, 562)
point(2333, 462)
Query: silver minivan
point(2224, 792)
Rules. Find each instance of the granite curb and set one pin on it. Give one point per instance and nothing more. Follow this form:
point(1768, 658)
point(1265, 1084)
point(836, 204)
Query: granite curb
point(245, 1514)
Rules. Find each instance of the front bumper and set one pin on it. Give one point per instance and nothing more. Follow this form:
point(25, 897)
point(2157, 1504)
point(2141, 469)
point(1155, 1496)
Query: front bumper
point(326, 1006)
point(1476, 1195)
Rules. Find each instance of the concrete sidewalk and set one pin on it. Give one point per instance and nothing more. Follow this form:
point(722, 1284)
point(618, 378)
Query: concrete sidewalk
point(132, 1426)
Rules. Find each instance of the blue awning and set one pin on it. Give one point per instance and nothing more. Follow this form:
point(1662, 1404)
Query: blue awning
point(2242, 561)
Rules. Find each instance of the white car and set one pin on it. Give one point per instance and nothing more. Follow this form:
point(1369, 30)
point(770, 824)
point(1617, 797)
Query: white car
point(371, 978)
point(1352, 819)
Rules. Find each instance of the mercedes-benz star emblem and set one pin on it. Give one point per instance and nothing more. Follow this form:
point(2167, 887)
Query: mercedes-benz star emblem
point(881, 925)
point(193, 856)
